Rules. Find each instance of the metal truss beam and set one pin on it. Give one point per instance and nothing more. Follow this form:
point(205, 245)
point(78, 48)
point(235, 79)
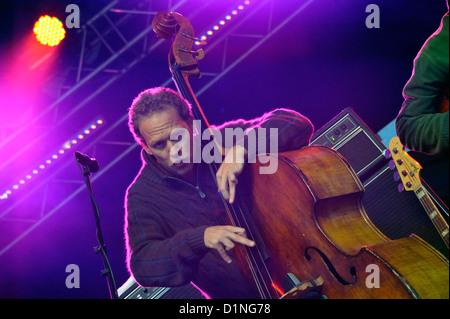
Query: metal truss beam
point(214, 76)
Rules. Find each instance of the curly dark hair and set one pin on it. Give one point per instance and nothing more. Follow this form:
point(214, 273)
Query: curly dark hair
point(155, 100)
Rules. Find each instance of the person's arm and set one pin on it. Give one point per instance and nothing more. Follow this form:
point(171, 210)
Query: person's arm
point(293, 129)
point(419, 124)
point(153, 258)
point(156, 260)
point(290, 129)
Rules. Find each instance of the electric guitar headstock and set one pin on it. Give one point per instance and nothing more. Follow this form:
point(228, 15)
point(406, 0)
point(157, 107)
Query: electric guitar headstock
point(408, 169)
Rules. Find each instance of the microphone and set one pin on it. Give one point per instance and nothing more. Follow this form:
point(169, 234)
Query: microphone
point(85, 160)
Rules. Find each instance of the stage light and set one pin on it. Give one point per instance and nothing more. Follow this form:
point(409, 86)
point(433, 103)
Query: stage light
point(49, 30)
point(222, 22)
point(52, 159)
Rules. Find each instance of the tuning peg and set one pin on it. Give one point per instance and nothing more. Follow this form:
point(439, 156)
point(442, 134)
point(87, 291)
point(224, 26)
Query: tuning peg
point(199, 54)
point(391, 165)
point(400, 188)
point(396, 176)
point(198, 41)
point(387, 153)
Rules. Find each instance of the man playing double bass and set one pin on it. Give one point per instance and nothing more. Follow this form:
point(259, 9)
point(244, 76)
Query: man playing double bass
point(176, 228)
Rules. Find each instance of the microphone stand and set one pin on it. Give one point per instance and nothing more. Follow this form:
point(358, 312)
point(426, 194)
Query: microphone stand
point(101, 248)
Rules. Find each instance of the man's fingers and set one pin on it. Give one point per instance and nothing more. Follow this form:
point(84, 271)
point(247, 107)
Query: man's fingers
point(232, 181)
point(238, 235)
point(227, 186)
point(242, 240)
point(227, 243)
point(236, 230)
point(223, 238)
point(224, 245)
point(223, 254)
point(222, 182)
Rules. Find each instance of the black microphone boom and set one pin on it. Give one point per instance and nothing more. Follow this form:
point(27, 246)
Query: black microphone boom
point(85, 160)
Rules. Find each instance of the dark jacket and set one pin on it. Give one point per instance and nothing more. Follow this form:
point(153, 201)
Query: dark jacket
point(166, 218)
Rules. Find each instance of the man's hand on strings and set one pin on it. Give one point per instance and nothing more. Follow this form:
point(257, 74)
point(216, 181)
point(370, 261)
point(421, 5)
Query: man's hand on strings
point(228, 172)
point(223, 238)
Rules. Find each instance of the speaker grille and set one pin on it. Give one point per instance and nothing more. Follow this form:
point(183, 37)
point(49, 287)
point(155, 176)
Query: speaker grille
point(397, 214)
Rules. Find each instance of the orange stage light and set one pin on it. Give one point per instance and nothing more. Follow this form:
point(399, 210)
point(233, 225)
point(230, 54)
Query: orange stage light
point(49, 30)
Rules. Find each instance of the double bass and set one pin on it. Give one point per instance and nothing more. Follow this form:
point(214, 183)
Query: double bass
point(307, 219)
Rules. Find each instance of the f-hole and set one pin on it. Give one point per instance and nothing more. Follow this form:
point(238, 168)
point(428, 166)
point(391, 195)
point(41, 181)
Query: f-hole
point(331, 267)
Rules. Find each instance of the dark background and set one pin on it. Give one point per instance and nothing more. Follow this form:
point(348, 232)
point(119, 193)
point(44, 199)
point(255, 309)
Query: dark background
point(319, 62)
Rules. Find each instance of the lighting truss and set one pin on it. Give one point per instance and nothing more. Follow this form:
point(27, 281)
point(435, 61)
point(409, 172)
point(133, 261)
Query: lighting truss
point(215, 34)
point(51, 159)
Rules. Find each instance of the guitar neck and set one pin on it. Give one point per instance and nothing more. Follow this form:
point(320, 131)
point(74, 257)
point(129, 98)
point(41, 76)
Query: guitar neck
point(438, 220)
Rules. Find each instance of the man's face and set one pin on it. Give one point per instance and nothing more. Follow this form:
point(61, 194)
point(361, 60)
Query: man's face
point(156, 130)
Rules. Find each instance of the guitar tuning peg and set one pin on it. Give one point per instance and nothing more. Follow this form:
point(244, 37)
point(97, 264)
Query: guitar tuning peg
point(387, 153)
point(199, 54)
point(391, 165)
point(400, 188)
point(198, 41)
point(396, 176)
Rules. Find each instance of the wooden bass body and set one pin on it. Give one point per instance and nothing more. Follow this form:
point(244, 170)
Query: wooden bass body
point(312, 223)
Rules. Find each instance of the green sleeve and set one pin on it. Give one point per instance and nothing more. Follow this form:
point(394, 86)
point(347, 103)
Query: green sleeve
point(419, 125)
